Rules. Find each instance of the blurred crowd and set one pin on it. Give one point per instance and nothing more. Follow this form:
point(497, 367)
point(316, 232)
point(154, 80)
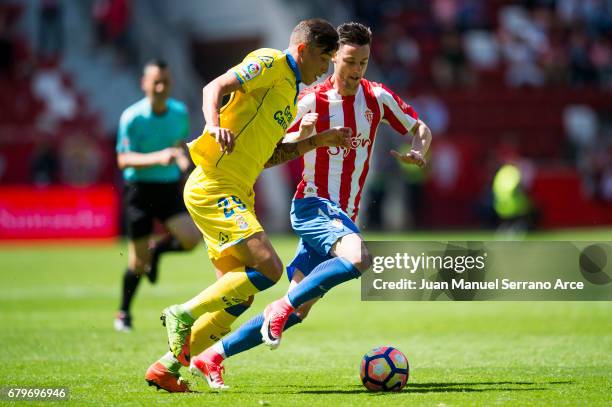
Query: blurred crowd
point(450, 43)
point(48, 133)
point(112, 20)
point(449, 56)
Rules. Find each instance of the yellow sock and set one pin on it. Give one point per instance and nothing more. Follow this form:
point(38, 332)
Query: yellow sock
point(232, 288)
point(209, 329)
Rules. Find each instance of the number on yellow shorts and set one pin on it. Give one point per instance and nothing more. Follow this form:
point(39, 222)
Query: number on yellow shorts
point(228, 207)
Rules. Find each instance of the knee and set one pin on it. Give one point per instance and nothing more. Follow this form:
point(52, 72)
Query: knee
point(366, 262)
point(139, 264)
point(139, 270)
point(362, 260)
point(352, 248)
point(277, 270)
point(271, 268)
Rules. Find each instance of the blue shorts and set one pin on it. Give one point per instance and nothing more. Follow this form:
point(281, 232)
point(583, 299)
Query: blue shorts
point(319, 223)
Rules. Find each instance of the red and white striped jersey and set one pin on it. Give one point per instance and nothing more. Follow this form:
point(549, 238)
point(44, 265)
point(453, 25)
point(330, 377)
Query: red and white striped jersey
point(336, 173)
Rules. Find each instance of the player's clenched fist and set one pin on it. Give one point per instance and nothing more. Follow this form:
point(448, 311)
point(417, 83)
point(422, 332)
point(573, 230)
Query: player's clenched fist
point(224, 137)
point(307, 125)
point(335, 137)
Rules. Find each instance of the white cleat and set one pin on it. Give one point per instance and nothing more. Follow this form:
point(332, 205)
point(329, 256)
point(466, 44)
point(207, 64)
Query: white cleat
point(123, 322)
point(275, 315)
point(212, 372)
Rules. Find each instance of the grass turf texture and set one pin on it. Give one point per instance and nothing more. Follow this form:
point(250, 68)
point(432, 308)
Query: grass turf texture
point(57, 303)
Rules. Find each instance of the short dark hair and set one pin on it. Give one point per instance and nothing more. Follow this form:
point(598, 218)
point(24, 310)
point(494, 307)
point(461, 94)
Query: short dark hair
point(159, 63)
point(355, 33)
point(317, 32)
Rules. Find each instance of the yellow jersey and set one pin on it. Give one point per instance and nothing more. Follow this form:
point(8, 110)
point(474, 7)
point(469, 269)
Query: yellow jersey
point(258, 115)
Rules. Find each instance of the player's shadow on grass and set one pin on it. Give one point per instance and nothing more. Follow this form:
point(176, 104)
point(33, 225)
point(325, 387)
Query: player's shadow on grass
point(443, 388)
point(409, 389)
point(320, 389)
point(461, 386)
point(425, 385)
point(461, 389)
point(433, 387)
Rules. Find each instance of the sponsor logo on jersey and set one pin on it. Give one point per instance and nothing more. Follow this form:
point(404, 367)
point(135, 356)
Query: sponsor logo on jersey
point(249, 70)
point(284, 118)
point(253, 69)
point(357, 141)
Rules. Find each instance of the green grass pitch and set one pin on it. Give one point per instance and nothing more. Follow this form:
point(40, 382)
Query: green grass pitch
point(57, 303)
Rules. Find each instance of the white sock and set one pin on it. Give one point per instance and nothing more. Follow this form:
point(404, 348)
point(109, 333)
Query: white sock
point(218, 347)
point(170, 361)
point(286, 298)
point(187, 311)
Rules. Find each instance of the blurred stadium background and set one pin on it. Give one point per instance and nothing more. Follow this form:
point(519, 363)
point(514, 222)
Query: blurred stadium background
point(527, 82)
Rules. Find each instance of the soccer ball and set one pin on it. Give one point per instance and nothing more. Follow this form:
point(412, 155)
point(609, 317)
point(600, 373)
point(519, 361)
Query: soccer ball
point(384, 369)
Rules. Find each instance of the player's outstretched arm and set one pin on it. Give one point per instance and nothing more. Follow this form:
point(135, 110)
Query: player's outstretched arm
point(420, 146)
point(212, 99)
point(334, 137)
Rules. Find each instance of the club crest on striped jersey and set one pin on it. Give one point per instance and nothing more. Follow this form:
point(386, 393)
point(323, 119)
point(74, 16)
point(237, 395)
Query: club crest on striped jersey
point(369, 116)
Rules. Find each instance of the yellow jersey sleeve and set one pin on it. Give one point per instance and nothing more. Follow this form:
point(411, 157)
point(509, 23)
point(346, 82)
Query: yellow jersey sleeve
point(258, 114)
point(257, 71)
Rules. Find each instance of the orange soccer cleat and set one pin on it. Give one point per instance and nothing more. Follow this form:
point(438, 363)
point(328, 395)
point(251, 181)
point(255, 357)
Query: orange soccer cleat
point(184, 356)
point(159, 376)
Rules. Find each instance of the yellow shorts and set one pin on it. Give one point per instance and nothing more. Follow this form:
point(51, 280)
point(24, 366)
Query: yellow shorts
point(223, 210)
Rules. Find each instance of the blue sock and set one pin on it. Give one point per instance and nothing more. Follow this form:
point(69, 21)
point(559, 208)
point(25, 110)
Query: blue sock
point(248, 335)
point(238, 309)
point(321, 279)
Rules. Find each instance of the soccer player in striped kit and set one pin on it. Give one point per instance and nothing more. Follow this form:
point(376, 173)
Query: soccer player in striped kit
point(326, 203)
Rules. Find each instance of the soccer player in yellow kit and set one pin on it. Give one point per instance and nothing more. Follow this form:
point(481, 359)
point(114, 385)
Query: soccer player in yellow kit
point(237, 141)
